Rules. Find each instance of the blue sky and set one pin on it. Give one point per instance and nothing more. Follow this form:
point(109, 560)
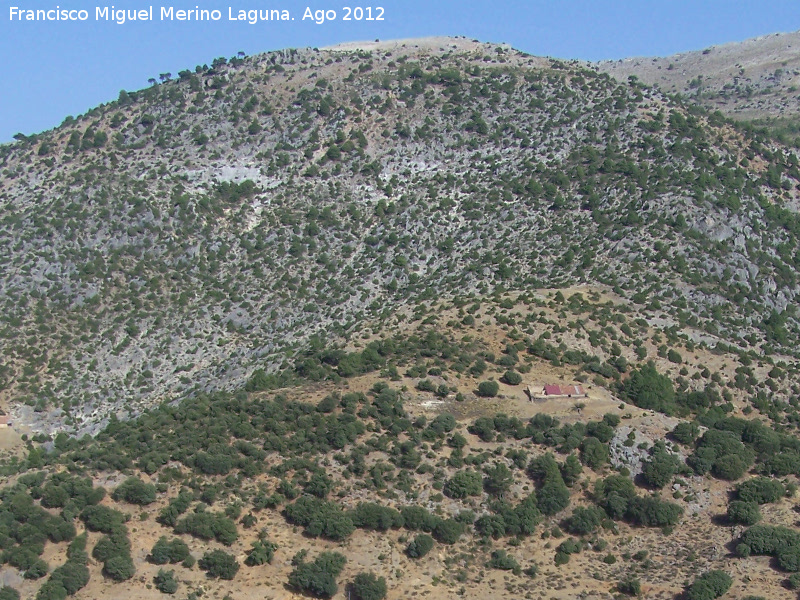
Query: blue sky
point(54, 69)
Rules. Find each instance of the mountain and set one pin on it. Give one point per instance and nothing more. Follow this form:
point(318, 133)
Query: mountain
point(758, 79)
point(191, 232)
point(284, 324)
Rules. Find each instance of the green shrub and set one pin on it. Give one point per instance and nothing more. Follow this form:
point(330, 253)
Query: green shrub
point(583, 521)
point(488, 389)
point(261, 553)
point(219, 564)
point(447, 531)
point(318, 578)
point(419, 546)
point(561, 558)
point(208, 526)
point(8, 593)
point(794, 581)
point(37, 570)
point(652, 512)
point(569, 546)
point(168, 551)
point(102, 518)
point(135, 491)
point(366, 586)
point(498, 480)
point(743, 513)
point(501, 560)
point(630, 587)
point(722, 453)
point(119, 567)
point(50, 590)
point(594, 453)
point(165, 582)
point(114, 544)
point(760, 490)
point(320, 518)
point(552, 495)
point(426, 385)
point(730, 467)
point(659, 469)
point(463, 484)
point(648, 389)
point(709, 586)
point(416, 518)
point(770, 540)
point(368, 515)
point(511, 378)
point(685, 433)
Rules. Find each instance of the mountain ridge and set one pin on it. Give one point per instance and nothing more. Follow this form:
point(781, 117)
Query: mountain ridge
point(755, 79)
point(228, 162)
point(267, 329)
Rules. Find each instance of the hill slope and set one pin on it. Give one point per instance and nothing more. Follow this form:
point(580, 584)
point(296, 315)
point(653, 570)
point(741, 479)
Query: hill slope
point(758, 79)
point(191, 232)
point(308, 302)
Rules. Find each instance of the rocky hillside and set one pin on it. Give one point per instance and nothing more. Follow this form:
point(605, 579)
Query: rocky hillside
point(192, 232)
point(758, 79)
point(308, 302)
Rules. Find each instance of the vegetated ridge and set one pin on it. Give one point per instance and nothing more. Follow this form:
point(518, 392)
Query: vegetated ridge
point(297, 299)
point(754, 80)
point(191, 232)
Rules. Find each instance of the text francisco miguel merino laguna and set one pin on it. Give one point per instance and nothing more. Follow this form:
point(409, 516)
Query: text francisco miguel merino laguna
point(166, 13)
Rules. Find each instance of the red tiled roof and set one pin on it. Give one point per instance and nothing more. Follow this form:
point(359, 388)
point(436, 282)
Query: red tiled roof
point(552, 390)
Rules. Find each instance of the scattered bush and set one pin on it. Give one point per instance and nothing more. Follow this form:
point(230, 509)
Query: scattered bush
point(760, 490)
point(165, 582)
point(488, 389)
point(419, 546)
point(366, 586)
point(318, 578)
point(219, 564)
point(208, 526)
point(630, 587)
point(584, 521)
point(709, 586)
point(501, 560)
point(168, 551)
point(743, 513)
point(463, 484)
point(119, 567)
point(135, 491)
point(320, 518)
point(261, 553)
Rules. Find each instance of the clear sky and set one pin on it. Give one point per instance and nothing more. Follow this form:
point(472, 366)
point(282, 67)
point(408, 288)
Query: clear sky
point(53, 69)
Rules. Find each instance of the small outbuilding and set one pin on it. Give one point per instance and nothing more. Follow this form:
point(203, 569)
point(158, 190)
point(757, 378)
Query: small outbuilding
point(557, 391)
